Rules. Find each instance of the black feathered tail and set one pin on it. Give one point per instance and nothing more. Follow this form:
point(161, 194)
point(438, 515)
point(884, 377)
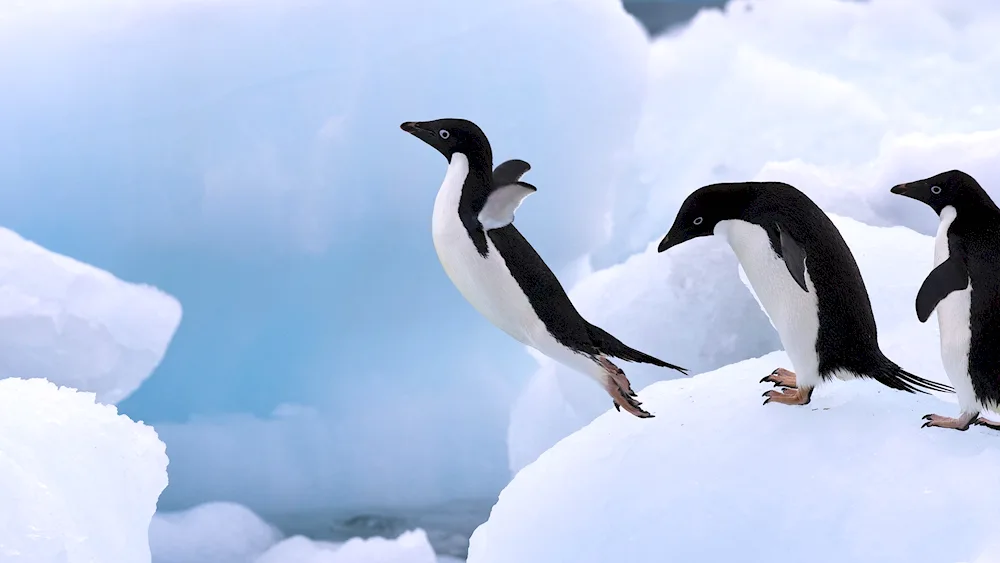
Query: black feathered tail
point(891, 375)
point(613, 347)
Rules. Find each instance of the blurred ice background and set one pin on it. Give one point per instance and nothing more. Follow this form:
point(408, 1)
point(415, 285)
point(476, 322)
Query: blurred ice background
point(245, 157)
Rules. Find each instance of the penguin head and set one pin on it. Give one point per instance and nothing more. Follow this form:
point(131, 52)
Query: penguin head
point(450, 136)
point(952, 188)
point(705, 208)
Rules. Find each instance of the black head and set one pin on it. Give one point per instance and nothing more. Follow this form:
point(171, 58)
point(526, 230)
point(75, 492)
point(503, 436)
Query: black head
point(705, 208)
point(953, 188)
point(450, 136)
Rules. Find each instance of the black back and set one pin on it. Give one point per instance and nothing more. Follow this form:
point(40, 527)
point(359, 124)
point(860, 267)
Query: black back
point(539, 284)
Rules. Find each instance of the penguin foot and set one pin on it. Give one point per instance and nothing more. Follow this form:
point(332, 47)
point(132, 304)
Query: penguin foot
point(781, 377)
point(987, 423)
point(789, 396)
point(620, 389)
point(961, 424)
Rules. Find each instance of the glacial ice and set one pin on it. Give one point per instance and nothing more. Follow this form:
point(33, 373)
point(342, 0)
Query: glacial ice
point(410, 547)
point(76, 325)
point(78, 481)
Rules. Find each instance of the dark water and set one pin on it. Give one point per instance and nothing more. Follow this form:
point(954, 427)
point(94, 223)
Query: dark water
point(448, 526)
point(658, 16)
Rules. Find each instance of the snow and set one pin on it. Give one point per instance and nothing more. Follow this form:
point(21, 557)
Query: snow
point(409, 547)
point(77, 325)
point(78, 482)
point(217, 532)
point(716, 475)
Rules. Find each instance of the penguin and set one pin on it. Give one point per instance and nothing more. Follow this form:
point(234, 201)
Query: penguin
point(805, 277)
point(498, 271)
point(964, 289)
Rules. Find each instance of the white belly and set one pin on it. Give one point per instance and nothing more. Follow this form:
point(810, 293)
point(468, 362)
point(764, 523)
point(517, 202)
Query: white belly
point(953, 313)
point(486, 283)
point(793, 312)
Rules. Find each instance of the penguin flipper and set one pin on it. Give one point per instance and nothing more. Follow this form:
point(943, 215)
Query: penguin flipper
point(509, 172)
point(950, 275)
point(794, 257)
point(501, 204)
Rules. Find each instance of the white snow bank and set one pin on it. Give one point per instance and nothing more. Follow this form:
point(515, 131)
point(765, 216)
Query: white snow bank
point(409, 547)
point(77, 325)
point(78, 482)
point(688, 307)
point(824, 83)
point(716, 476)
point(217, 532)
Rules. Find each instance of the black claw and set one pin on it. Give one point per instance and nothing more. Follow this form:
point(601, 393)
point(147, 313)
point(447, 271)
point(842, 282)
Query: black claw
point(767, 401)
point(927, 417)
point(766, 394)
point(925, 425)
point(764, 379)
point(617, 406)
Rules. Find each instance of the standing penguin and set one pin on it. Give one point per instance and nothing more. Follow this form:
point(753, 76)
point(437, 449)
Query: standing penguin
point(964, 287)
point(499, 272)
point(806, 279)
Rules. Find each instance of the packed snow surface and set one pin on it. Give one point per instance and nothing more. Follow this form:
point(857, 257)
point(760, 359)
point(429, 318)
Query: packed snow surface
point(217, 532)
point(650, 298)
point(78, 482)
point(77, 325)
point(716, 476)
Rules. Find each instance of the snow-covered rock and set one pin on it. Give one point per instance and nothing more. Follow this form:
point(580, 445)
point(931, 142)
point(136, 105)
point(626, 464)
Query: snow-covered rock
point(217, 532)
point(409, 547)
point(716, 476)
point(77, 325)
point(78, 482)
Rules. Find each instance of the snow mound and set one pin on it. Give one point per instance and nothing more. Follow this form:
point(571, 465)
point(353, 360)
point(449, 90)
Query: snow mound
point(217, 532)
point(78, 482)
point(77, 325)
point(716, 475)
point(688, 307)
point(685, 308)
point(409, 547)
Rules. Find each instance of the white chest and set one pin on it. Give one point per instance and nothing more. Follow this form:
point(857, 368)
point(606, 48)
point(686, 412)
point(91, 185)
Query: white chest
point(486, 283)
point(793, 312)
point(953, 313)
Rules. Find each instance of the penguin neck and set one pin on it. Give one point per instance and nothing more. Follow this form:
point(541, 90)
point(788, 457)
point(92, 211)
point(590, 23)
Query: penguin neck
point(467, 184)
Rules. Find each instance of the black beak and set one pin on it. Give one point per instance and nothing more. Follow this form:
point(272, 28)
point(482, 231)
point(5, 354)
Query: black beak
point(900, 189)
point(665, 243)
point(411, 127)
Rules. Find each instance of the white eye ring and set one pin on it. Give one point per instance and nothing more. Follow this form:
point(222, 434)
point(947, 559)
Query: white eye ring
point(444, 133)
point(935, 190)
point(698, 220)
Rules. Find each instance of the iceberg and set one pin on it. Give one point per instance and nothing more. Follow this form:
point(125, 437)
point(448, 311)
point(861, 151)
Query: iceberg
point(409, 547)
point(78, 481)
point(216, 532)
point(77, 325)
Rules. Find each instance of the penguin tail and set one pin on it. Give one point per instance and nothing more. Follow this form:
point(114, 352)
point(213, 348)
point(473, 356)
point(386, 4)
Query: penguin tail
point(895, 377)
point(611, 346)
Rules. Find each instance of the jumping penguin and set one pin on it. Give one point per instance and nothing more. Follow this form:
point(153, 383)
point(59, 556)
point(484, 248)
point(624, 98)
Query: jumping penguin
point(499, 272)
point(964, 288)
point(806, 279)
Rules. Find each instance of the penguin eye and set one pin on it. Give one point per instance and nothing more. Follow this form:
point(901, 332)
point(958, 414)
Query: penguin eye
point(935, 190)
point(698, 220)
point(444, 134)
